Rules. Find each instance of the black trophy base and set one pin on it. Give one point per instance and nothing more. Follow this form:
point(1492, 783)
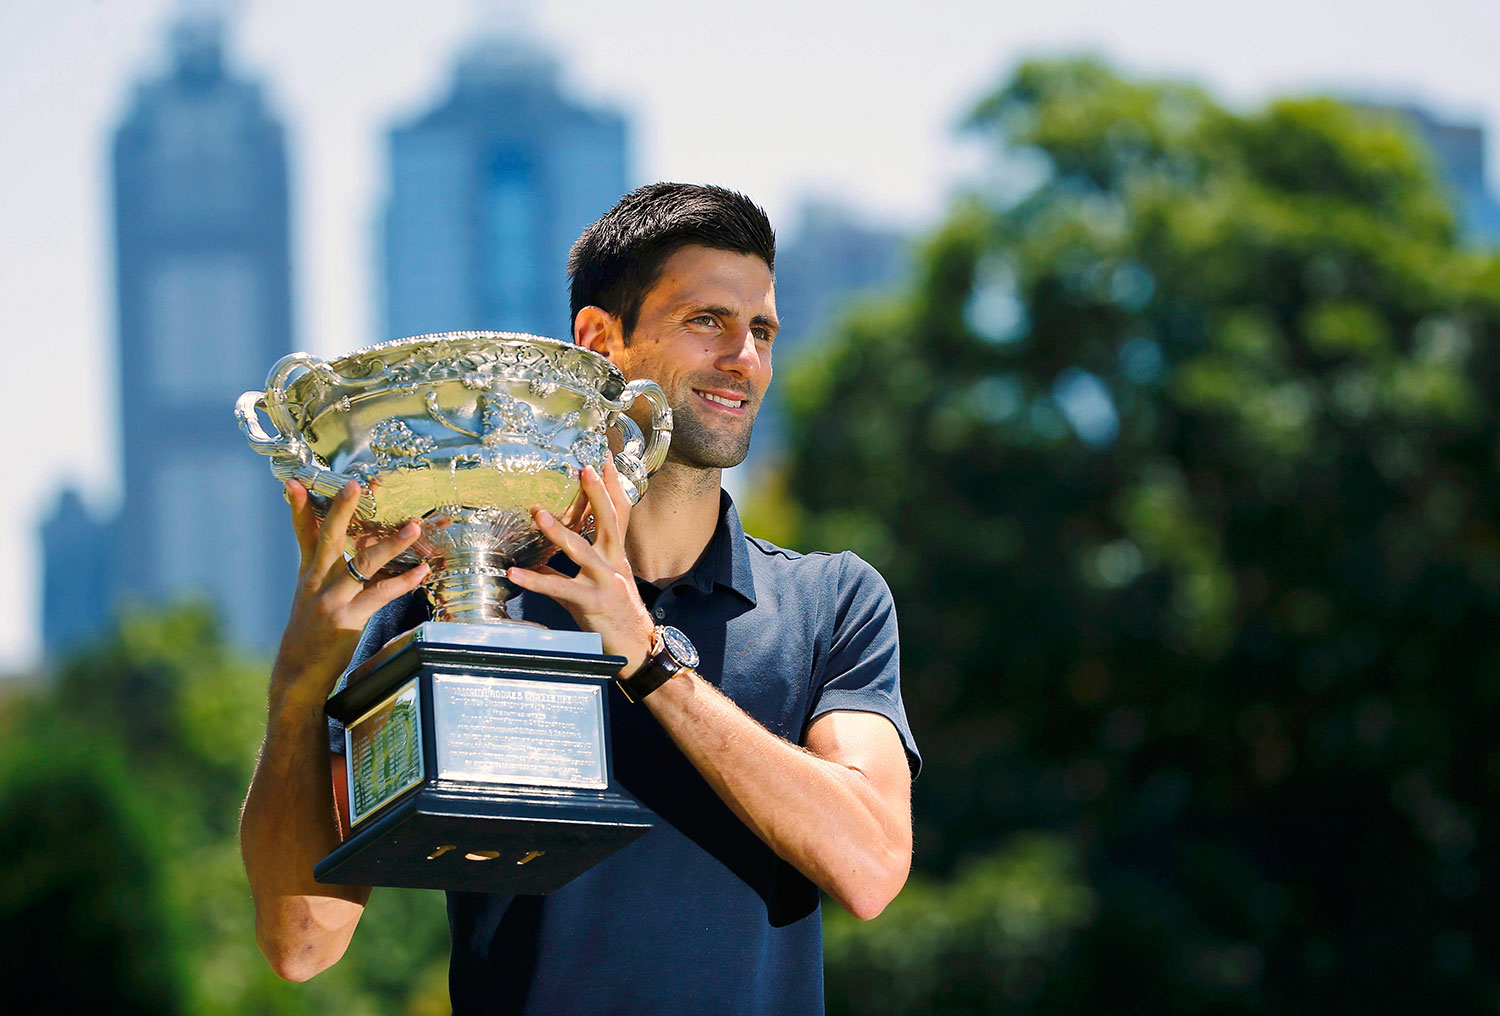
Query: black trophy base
point(480, 768)
point(468, 841)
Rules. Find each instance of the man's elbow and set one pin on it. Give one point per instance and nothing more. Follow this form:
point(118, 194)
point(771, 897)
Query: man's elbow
point(297, 959)
point(867, 896)
point(295, 964)
point(868, 903)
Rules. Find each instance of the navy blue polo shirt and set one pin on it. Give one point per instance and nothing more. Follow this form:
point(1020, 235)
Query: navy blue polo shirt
point(698, 915)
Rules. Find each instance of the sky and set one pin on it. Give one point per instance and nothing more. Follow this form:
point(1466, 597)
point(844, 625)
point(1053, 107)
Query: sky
point(856, 102)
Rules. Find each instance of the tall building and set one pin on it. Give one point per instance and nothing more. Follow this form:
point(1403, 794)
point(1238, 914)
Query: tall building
point(832, 257)
point(487, 193)
point(1459, 150)
point(204, 308)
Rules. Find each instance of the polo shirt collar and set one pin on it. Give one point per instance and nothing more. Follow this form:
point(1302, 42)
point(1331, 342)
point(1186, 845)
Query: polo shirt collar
point(726, 561)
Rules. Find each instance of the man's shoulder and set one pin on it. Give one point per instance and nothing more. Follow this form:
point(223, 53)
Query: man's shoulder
point(768, 554)
point(844, 570)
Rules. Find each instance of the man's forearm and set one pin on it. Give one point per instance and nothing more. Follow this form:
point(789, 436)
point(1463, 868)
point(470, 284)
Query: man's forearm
point(845, 828)
point(290, 822)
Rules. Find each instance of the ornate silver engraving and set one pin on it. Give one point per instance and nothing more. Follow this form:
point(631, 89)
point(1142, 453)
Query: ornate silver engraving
point(397, 446)
point(505, 417)
point(590, 449)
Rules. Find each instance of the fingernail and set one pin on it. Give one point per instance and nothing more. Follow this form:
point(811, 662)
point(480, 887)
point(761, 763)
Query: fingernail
point(543, 515)
point(588, 473)
point(409, 530)
point(351, 489)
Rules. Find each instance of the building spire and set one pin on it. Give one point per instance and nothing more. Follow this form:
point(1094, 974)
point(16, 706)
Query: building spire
point(197, 37)
point(505, 47)
point(505, 19)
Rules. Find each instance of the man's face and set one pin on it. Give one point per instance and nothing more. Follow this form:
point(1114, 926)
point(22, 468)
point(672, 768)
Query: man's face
point(704, 334)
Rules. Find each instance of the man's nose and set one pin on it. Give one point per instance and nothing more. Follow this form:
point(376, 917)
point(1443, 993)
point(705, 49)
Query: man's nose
point(741, 355)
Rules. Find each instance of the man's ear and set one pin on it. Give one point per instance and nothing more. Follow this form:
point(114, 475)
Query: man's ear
point(596, 329)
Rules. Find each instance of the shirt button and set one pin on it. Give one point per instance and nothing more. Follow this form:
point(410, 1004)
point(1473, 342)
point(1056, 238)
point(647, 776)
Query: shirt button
point(661, 612)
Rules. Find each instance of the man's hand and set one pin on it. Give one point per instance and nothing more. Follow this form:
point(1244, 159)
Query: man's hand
point(602, 597)
point(331, 606)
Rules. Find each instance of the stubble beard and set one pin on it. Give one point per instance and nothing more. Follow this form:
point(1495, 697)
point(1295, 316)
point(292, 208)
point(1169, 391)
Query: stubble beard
point(698, 443)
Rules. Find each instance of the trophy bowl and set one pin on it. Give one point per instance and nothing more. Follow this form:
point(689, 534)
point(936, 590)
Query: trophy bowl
point(465, 431)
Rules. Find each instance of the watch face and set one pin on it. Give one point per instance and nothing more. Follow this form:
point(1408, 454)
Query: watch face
point(678, 645)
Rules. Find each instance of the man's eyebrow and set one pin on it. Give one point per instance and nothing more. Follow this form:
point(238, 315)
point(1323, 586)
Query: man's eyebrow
point(719, 310)
point(767, 321)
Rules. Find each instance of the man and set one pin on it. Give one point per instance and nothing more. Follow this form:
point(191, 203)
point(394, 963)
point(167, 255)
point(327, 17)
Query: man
point(779, 765)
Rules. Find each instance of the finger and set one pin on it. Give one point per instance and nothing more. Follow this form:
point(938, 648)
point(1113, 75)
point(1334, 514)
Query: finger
point(606, 524)
point(570, 543)
point(335, 528)
point(556, 585)
point(378, 553)
point(576, 517)
point(617, 495)
point(304, 519)
point(382, 591)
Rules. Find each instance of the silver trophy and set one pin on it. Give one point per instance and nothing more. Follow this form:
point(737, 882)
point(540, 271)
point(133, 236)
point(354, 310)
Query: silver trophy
point(464, 431)
point(477, 747)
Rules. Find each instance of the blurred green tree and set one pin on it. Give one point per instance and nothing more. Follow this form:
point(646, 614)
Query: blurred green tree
point(1180, 457)
point(990, 935)
point(120, 786)
point(83, 913)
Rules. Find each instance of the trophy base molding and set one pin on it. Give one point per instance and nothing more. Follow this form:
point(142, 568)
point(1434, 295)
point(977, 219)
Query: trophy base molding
point(479, 768)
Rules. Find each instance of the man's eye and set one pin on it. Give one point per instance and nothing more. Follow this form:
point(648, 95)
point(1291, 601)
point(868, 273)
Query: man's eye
point(762, 334)
point(702, 319)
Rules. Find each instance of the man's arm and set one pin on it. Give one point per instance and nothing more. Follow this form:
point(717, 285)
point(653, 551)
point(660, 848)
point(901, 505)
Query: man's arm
point(838, 811)
point(291, 818)
point(288, 824)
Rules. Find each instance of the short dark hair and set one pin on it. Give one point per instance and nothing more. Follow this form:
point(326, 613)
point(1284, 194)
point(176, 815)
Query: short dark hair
point(618, 259)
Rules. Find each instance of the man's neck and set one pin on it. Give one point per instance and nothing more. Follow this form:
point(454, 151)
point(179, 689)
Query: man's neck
point(673, 524)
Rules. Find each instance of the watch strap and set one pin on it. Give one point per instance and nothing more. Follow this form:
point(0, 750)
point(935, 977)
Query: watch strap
point(660, 667)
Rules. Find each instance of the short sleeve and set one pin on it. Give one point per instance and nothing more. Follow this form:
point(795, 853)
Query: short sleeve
point(395, 618)
point(862, 672)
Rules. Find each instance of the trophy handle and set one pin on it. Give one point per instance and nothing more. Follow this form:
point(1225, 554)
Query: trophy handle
point(281, 371)
point(291, 458)
point(245, 412)
point(639, 458)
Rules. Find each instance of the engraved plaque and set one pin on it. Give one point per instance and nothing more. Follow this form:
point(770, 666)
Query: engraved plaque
point(501, 730)
point(384, 749)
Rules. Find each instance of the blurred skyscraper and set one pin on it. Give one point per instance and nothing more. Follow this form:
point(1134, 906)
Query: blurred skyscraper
point(204, 305)
point(1460, 152)
point(489, 190)
point(832, 256)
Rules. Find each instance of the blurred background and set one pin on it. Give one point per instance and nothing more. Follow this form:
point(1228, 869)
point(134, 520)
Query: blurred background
point(1149, 350)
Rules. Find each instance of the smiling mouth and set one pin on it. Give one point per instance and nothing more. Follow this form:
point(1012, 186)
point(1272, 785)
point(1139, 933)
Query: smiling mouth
point(721, 400)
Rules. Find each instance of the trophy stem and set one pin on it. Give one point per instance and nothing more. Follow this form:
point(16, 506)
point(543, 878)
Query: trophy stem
point(468, 586)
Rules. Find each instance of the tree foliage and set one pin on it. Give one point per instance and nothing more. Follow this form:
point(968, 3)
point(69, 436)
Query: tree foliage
point(1180, 457)
point(120, 784)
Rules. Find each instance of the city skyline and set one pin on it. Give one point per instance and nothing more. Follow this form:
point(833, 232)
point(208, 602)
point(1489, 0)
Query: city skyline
point(897, 89)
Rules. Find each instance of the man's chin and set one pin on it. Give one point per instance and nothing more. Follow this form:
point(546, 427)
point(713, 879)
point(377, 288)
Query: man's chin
point(713, 459)
point(706, 447)
point(691, 451)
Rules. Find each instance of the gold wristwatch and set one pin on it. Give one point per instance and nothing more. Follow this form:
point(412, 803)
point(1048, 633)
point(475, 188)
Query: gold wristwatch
point(671, 653)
